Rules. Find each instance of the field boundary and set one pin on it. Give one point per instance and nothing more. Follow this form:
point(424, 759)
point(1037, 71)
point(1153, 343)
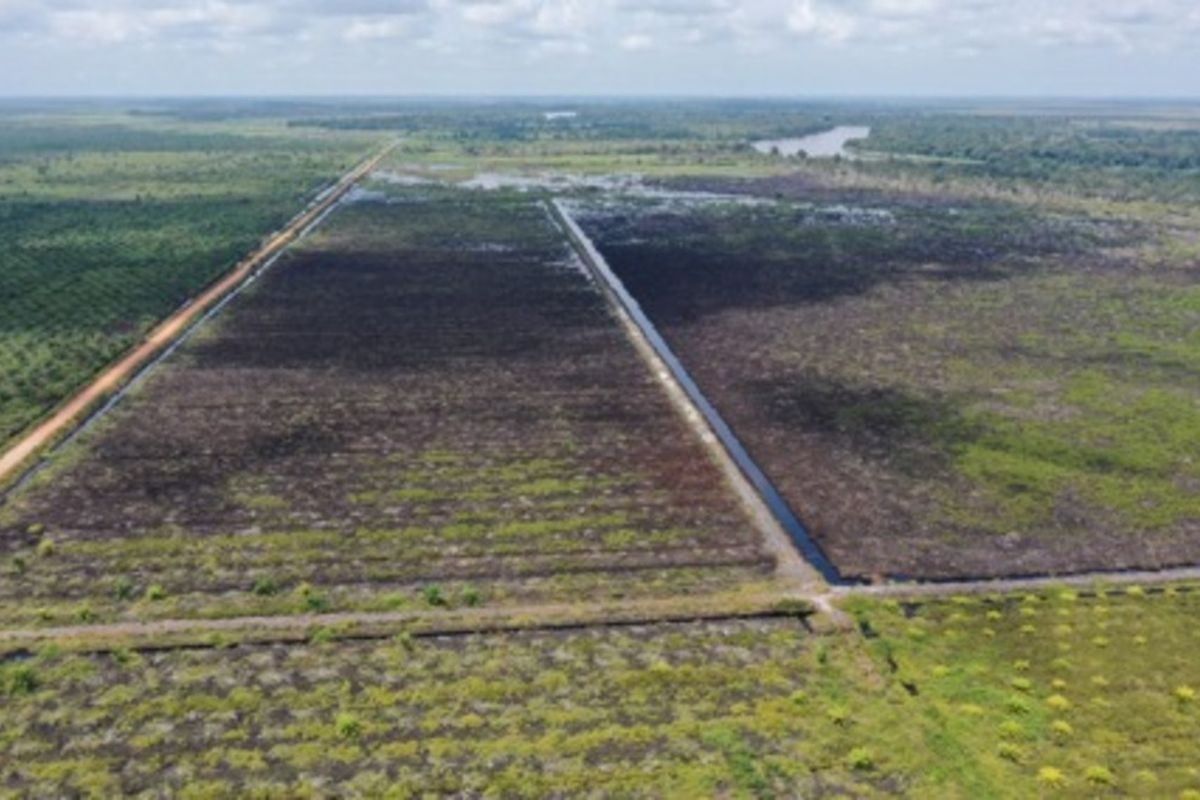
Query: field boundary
point(915, 589)
point(819, 611)
point(28, 446)
point(223, 631)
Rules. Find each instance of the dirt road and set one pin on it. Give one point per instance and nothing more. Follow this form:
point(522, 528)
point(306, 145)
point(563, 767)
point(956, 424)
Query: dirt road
point(73, 410)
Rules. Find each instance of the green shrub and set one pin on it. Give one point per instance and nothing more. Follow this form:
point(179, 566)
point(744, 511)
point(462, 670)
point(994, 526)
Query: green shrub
point(1011, 729)
point(1062, 729)
point(1010, 752)
point(860, 759)
point(45, 548)
point(1145, 777)
point(472, 597)
point(348, 726)
point(838, 715)
point(123, 589)
point(433, 595)
point(1058, 702)
point(22, 679)
point(1015, 704)
point(1099, 776)
point(310, 600)
point(155, 592)
point(1052, 777)
point(265, 587)
point(316, 603)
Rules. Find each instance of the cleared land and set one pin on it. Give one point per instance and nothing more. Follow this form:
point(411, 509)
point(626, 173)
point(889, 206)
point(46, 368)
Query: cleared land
point(940, 389)
point(428, 403)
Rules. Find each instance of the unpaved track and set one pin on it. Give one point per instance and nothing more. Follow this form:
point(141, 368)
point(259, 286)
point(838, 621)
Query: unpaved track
point(73, 410)
point(1008, 585)
point(824, 601)
point(427, 622)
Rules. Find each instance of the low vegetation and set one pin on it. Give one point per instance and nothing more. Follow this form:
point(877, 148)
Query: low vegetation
point(1059, 693)
point(941, 389)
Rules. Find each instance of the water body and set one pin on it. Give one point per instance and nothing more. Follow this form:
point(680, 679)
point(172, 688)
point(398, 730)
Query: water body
point(826, 144)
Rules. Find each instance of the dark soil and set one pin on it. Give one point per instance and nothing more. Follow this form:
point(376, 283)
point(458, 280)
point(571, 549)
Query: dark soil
point(408, 403)
point(817, 341)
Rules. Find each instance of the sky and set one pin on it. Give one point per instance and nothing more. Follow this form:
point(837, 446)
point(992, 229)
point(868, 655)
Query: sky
point(798, 48)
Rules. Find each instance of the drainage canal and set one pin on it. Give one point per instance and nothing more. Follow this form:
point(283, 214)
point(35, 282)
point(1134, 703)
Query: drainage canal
point(782, 512)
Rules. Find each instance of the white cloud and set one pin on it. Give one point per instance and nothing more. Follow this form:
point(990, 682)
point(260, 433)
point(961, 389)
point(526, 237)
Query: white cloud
point(500, 12)
point(636, 41)
point(809, 18)
point(1127, 24)
point(214, 20)
point(503, 32)
point(903, 8)
point(368, 29)
point(95, 26)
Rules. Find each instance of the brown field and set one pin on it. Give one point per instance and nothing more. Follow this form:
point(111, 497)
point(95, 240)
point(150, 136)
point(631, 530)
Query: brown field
point(940, 390)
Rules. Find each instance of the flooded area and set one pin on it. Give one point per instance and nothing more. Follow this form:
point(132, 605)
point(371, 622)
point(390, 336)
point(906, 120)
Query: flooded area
point(620, 187)
point(826, 144)
point(399, 178)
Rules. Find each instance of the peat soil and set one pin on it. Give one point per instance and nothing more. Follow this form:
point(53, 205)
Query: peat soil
point(425, 391)
point(761, 304)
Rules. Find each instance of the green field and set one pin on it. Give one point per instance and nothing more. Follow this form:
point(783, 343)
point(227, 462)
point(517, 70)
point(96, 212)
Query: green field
point(112, 222)
point(1054, 694)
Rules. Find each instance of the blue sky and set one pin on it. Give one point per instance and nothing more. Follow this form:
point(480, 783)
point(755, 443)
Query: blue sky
point(524, 47)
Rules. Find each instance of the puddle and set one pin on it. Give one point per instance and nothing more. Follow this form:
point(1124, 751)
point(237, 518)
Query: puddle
point(358, 194)
point(399, 178)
